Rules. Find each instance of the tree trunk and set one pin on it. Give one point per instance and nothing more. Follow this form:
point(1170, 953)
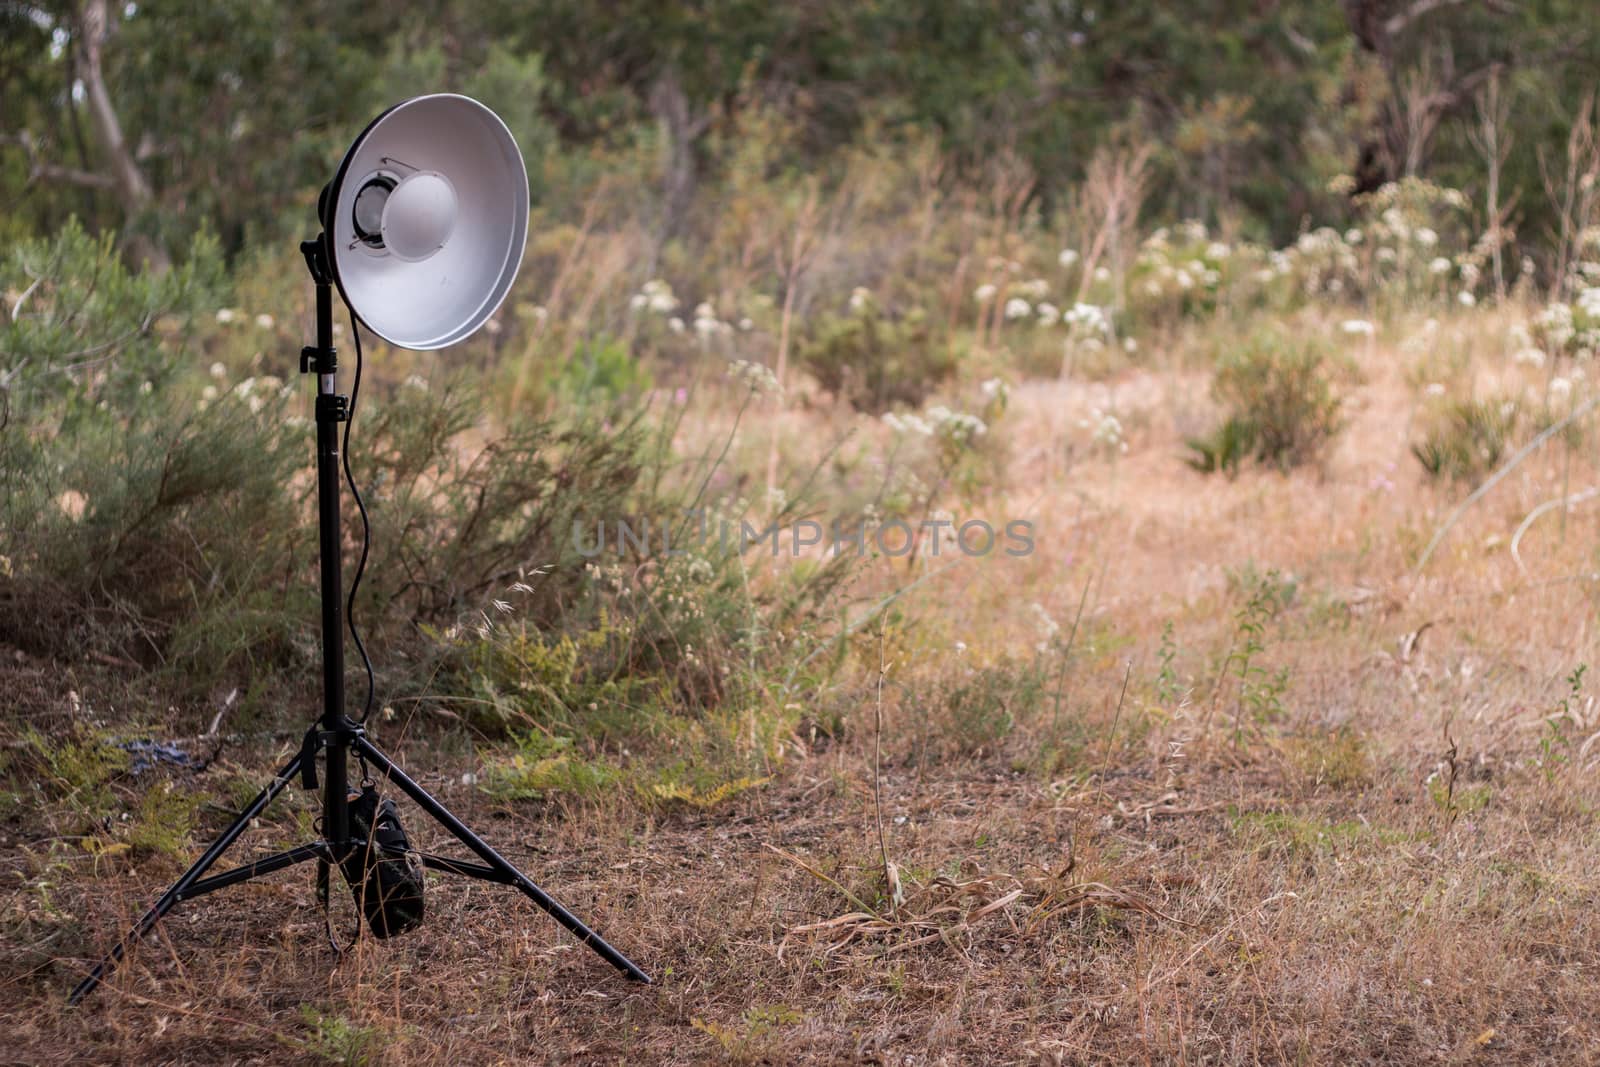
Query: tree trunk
point(131, 185)
point(679, 131)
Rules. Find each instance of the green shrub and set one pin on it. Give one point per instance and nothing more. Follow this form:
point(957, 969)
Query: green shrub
point(458, 520)
point(604, 369)
point(1279, 405)
point(164, 821)
point(641, 641)
point(138, 513)
point(978, 708)
point(1337, 758)
point(1468, 439)
point(876, 362)
point(544, 764)
point(162, 513)
point(73, 769)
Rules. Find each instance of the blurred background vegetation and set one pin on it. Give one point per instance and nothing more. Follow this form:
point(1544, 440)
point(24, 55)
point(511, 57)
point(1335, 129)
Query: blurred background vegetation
point(163, 118)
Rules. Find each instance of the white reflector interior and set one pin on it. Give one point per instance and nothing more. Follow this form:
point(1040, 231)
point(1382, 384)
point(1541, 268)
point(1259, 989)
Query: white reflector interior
point(444, 297)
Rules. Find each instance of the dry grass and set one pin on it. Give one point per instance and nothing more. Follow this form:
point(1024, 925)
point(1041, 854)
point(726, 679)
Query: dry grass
point(1399, 865)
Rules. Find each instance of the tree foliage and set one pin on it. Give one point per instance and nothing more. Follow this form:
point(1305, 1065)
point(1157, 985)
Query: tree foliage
point(233, 111)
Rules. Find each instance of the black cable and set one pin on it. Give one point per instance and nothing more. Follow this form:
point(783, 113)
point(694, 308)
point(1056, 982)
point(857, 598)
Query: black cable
point(366, 527)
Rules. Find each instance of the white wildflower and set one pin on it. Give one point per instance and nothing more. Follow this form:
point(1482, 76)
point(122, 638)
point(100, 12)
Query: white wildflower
point(1018, 308)
point(1396, 223)
point(1048, 627)
point(758, 377)
point(1107, 430)
point(995, 389)
point(659, 296)
point(957, 426)
point(907, 423)
point(1439, 265)
point(1068, 257)
point(984, 293)
point(1088, 320)
point(1556, 324)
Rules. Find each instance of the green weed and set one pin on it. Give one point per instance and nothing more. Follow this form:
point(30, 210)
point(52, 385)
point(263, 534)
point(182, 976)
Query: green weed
point(1337, 758)
point(1468, 439)
point(1260, 691)
point(877, 362)
point(335, 1039)
point(1279, 405)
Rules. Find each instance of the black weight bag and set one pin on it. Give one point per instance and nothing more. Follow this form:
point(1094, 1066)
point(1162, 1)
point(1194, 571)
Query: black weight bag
point(382, 870)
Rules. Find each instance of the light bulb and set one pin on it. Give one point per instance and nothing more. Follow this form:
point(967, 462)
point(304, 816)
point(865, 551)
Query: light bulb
point(419, 215)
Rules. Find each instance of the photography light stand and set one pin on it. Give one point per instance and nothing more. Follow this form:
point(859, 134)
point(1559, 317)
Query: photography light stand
point(335, 733)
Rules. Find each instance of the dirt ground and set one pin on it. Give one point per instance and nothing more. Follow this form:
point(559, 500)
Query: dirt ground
point(1246, 915)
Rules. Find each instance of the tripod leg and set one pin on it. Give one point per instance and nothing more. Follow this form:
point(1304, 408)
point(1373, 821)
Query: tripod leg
point(317, 850)
point(497, 862)
point(180, 888)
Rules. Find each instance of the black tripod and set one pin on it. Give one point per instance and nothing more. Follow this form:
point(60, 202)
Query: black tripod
point(335, 732)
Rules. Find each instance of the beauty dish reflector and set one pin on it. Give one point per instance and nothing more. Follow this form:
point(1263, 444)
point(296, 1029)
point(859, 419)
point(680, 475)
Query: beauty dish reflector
point(426, 220)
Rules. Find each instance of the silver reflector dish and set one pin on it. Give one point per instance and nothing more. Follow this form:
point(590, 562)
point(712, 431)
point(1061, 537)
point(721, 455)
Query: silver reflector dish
point(426, 220)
